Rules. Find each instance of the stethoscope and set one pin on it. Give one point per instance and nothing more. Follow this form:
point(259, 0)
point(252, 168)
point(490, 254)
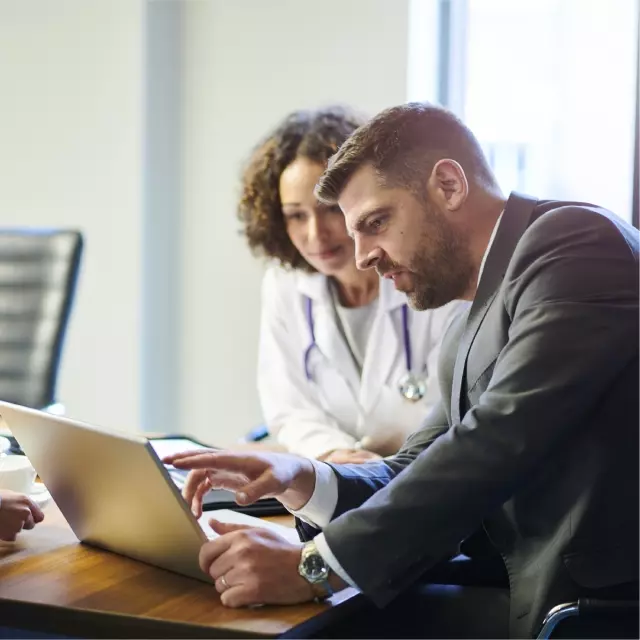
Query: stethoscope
point(411, 387)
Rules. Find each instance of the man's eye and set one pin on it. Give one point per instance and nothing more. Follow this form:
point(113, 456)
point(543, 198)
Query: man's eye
point(376, 223)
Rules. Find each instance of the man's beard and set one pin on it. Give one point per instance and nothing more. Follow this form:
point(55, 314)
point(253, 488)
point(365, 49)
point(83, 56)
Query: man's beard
point(441, 267)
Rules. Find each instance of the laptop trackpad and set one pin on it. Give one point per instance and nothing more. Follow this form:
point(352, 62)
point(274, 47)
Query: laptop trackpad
point(234, 517)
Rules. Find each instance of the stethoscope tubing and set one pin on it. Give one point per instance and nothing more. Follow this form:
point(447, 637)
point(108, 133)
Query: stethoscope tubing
point(406, 338)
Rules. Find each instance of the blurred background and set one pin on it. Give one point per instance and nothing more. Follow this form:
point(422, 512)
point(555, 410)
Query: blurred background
point(130, 121)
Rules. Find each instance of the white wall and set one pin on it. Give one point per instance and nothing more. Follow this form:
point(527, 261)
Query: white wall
point(130, 121)
point(70, 155)
point(246, 64)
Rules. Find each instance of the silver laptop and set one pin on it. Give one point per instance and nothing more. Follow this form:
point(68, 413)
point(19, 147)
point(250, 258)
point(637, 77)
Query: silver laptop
point(112, 488)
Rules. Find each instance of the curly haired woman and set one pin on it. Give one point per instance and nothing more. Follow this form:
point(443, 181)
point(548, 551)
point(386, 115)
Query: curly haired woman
point(346, 370)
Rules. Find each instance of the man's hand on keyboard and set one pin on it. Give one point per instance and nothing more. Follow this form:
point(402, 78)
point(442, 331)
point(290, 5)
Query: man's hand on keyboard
point(253, 566)
point(250, 475)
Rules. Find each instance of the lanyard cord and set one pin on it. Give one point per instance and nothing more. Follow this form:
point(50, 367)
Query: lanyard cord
point(345, 331)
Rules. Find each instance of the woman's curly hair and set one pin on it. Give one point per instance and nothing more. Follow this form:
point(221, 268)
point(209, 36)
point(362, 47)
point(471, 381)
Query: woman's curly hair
point(315, 135)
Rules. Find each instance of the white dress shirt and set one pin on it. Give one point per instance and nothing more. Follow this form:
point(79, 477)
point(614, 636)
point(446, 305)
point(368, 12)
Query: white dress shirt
point(318, 511)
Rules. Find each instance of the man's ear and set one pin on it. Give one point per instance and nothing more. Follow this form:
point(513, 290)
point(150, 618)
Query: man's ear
point(448, 184)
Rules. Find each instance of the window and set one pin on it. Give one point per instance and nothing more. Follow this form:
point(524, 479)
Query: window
point(549, 88)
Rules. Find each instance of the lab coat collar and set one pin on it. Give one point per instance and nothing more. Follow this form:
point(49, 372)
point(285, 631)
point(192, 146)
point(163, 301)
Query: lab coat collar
point(390, 297)
point(315, 286)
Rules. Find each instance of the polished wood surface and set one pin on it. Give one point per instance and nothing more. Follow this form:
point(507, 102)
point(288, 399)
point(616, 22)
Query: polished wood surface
point(49, 581)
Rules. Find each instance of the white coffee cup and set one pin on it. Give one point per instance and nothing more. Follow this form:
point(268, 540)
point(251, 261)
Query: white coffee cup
point(16, 474)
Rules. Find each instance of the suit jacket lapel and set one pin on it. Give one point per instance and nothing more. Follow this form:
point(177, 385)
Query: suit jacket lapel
point(513, 224)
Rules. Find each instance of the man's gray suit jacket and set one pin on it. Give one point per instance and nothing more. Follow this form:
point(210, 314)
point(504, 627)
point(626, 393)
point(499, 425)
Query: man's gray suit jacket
point(536, 439)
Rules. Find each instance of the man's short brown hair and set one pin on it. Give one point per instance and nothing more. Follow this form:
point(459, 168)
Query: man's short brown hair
point(403, 144)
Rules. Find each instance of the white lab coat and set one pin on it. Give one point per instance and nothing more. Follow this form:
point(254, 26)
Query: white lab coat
point(338, 408)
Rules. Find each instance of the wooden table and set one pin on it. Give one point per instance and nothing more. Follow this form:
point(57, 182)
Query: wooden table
point(51, 582)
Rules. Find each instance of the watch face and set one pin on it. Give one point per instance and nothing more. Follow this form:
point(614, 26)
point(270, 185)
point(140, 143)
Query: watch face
point(315, 567)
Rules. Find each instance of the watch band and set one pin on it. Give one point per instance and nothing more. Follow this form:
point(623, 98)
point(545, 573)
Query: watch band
point(322, 590)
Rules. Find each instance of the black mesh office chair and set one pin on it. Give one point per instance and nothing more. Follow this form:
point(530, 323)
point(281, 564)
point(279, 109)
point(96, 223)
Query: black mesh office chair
point(38, 273)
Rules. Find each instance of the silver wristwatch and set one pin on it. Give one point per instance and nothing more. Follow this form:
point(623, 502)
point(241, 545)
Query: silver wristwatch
point(315, 570)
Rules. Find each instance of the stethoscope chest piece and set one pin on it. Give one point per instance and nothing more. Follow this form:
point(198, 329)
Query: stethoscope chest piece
point(412, 388)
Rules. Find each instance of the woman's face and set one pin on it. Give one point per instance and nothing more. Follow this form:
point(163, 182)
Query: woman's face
point(317, 231)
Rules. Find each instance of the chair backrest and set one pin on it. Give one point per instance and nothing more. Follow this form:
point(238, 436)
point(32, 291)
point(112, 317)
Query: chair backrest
point(38, 274)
